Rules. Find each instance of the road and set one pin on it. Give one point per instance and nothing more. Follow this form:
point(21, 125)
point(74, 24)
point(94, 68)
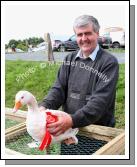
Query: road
point(41, 56)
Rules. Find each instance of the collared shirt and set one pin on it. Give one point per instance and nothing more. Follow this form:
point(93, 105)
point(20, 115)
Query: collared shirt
point(92, 55)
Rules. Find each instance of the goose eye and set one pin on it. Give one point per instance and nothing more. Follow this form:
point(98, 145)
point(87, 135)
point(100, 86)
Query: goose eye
point(22, 97)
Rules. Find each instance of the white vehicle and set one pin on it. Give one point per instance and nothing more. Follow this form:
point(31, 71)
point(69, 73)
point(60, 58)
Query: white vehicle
point(41, 46)
point(19, 50)
point(118, 38)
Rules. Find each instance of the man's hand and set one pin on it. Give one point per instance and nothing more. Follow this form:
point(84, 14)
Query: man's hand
point(64, 122)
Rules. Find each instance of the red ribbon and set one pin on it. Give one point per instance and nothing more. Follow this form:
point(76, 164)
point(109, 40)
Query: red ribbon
point(47, 138)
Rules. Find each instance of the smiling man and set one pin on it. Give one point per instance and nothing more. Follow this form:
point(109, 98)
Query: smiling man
point(87, 37)
point(84, 95)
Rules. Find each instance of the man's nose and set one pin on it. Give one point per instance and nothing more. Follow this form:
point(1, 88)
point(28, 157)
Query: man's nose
point(84, 37)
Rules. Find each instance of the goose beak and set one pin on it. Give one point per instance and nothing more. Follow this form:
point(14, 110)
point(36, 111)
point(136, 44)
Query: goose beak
point(17, 106)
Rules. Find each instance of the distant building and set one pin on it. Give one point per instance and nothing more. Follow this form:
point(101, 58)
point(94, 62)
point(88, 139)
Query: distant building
point(8, 50)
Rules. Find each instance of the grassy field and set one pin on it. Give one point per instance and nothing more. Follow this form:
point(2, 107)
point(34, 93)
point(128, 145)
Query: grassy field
point(38, 78)
point(116, 50)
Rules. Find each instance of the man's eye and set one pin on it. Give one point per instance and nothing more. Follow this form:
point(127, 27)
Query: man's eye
point(88, 33)
point(79, 35)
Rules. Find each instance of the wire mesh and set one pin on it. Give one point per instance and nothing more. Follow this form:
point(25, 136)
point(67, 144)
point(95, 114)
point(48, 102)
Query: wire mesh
point(19, 143)
point(85, 146)
point(9, 123)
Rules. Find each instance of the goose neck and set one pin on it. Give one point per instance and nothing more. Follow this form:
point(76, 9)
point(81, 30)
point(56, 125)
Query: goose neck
point(33, 105)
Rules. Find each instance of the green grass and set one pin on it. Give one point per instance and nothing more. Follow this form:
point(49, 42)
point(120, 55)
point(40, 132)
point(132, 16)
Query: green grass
point(36, 77)
point(120, 99)
point(116, 50)
point(28, 75)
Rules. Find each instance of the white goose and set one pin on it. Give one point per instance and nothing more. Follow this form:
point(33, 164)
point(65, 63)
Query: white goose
point(36, 121)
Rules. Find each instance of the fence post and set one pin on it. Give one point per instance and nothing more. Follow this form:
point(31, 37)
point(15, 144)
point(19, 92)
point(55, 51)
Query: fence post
point(49, 47)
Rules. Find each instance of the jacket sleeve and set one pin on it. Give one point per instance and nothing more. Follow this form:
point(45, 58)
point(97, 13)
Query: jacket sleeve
point(57, 95)
point(100, 98)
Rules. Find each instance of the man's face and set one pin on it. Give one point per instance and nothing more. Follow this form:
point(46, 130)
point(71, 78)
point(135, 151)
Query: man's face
point(86, 39)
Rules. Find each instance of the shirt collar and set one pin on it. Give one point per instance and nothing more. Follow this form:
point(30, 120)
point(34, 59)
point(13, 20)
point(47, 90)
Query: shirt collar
point(92, 56)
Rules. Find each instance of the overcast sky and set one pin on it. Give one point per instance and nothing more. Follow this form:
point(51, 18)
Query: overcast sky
point(28, 19)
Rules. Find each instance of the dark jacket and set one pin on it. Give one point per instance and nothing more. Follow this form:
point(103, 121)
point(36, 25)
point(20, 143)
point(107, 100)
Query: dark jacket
point(86, 89)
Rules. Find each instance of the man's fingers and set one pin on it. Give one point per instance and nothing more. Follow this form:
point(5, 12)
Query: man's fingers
point(63, 123)
point(58, 133)
point(54, 124)
point(55, 130)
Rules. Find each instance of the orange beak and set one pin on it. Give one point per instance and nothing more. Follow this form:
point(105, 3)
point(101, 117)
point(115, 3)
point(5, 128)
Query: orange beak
point(17, 106)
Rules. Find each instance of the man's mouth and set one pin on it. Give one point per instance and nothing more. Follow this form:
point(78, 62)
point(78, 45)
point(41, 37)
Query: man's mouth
point(85, 43)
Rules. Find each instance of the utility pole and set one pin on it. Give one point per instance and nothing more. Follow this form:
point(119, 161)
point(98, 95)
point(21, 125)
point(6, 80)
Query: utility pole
point(49, 47)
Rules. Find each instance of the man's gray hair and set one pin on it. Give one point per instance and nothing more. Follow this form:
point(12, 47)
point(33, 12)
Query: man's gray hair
point(85, 20)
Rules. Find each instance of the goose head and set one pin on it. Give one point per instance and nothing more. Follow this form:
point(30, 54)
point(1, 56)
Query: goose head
point(23, 98)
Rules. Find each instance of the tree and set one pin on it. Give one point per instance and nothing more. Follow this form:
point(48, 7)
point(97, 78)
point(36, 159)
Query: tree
point(6, 46)
point(24, 44)
point(22, 47)
point(13, 43)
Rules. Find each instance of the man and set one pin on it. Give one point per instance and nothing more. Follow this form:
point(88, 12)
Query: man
point(86, 82)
